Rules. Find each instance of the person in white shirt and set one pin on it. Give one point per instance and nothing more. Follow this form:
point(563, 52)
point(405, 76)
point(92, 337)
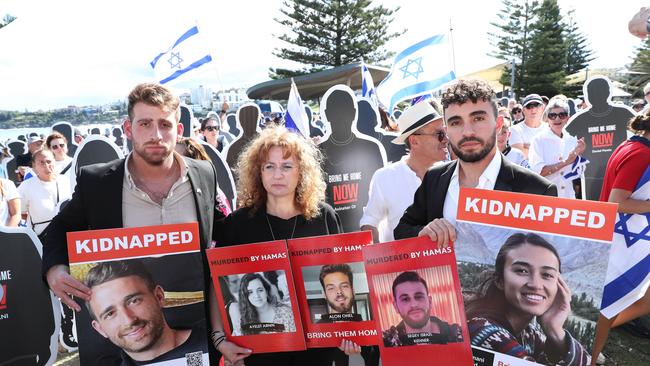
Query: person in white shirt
point(513, 154)
point(554, 150)
point(58, 144)
point(523, 132)
point(9, 204)
point(41, 195)
point(392, 187)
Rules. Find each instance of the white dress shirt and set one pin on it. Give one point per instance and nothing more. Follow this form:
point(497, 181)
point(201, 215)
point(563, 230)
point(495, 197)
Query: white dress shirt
point(486, 181)
point(547, 148)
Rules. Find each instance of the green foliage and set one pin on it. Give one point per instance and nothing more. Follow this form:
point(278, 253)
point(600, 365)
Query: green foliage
point(330, 33)
point(545, 45)
point(545, 72)
point(640, 70)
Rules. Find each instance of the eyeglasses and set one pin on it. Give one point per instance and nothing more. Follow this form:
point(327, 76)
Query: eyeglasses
point(211, 128)
point(532, 105)
point(552, 116)
point(56, 147)
point(441, 135)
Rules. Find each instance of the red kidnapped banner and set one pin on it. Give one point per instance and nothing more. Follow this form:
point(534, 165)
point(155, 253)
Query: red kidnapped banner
point(416, 300)
point(332, 287)
point(112, 244)
point(256, 295)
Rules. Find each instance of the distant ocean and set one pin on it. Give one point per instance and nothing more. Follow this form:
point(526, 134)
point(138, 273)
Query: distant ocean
point(13, 133)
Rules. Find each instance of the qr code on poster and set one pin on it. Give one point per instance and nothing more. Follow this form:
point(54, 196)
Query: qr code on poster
point(194, 358)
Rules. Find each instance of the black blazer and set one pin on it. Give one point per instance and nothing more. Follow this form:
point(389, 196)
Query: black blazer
point(429, 199)
point(97, 204)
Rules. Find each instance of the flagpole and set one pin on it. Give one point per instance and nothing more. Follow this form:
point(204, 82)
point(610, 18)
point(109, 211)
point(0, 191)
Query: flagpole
point(453, 52)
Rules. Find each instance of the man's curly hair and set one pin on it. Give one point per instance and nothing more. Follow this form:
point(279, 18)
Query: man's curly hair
point(310, 192)
point(469, 90)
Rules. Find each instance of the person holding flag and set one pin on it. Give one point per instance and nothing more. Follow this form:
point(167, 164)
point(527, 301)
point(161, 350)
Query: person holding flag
point(627, 182)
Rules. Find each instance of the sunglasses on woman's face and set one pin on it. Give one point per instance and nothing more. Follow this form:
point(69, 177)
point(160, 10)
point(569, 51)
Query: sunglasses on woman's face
point(56, 147)
point(552, 116)
point(211, 128)
point(515, 111)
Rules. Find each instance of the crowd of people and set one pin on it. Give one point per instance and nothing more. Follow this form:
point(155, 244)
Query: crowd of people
point(465, 140)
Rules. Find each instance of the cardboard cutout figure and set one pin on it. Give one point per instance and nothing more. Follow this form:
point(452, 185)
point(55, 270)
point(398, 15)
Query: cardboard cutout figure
point(66, 129)
point(29, 314)
point(186, 120)
point(350, 157)
point(604, 126)
point(233, 127)
point(247, 117)
point(119, 137)
point(16, 148)
point(95, 131)
point(368, 124)
point(94, 149)
point(314, 130)
point(225, 179)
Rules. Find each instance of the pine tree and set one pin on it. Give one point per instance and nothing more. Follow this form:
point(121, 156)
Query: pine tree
point(329, 33)
point(578, 53)
point(639, 74)
point(513, 38)
point(545, 71)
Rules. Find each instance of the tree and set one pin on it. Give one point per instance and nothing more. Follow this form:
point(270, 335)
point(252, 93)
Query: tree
point(639, 70)
point(329, 33)
point(513, 38)
point(545, 72)
point(6, 20)
point(578, 53)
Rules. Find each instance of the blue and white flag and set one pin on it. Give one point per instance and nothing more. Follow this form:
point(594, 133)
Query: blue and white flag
point(419, 69)
point(368, 86)
point(577, 167)
point(628, 271)
point(186, 54)
point(296, 118)
point(421, 98)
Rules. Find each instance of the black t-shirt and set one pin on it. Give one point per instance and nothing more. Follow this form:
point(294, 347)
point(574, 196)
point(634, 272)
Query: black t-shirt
point(242, 227)
point(602, 132)
point(349, 167)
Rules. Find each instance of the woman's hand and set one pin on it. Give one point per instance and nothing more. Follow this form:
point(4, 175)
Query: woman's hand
point(552, 321)
point(232, 353)
point(350, 348)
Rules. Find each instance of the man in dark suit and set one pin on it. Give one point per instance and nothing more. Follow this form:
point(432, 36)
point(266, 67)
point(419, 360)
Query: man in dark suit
point(470, 113)
point(151, 186)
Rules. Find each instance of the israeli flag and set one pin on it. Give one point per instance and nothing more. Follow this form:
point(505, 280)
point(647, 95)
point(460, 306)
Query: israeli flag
point(296, 118)
point(628, 271)
point(577, 167)
point(419, 69)
point(368, 86)
point(421, 98)
point(185, 55)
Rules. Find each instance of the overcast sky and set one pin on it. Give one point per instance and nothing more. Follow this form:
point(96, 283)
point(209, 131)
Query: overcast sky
point(75, 52)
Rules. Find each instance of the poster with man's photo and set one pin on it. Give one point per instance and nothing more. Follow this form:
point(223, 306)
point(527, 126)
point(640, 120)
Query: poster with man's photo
point(256, 296)
point(417, 303)
point(532, 270)
point(147, 300)
point(332, 289)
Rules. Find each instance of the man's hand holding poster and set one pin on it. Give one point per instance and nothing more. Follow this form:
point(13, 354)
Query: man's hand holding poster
point(417, 303)
point(332, 288)
point(532, 270)
point(256, 295)
point(147, 294)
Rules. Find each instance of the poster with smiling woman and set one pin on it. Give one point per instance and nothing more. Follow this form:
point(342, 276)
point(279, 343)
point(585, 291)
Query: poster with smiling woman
point(532, 270)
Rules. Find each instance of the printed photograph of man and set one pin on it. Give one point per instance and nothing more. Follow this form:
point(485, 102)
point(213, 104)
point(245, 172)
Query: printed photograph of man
point(126, 307)
point(338, 285)
point(413, 303)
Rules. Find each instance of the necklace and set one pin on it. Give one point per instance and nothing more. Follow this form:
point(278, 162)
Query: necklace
point(295, 220)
